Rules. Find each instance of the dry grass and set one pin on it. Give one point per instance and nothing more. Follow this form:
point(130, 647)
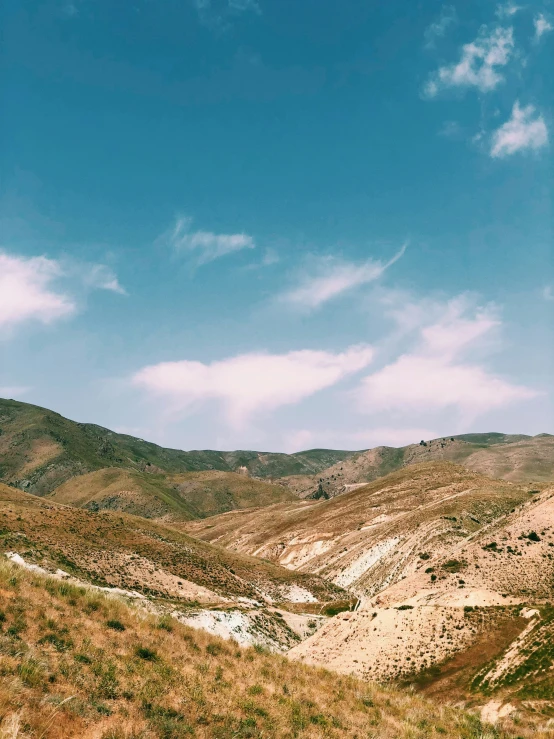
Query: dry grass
point(76, 663)
point(97, 547)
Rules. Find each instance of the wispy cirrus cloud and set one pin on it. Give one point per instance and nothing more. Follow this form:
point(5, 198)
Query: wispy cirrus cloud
point(204, 246)
point(542, 26)
point(439, 374)
point(524, 131)
point(479, 64)
point(331, 277)
point(447, 18)
point(548, 293)
point(249, 384)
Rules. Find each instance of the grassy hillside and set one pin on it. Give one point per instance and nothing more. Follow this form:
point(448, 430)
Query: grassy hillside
point(40, 450)
point(77, 663)
point(173, 497)
point(111, 548)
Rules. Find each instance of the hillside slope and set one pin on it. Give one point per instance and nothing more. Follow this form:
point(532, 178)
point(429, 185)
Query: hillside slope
point(81, 664)
point(516, 458)
point(475, 619)
point(116, 549)
point(40, 450)
point(375, 535)
point(167, 496)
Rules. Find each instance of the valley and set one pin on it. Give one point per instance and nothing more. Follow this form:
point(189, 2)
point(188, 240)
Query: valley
point(429, 567)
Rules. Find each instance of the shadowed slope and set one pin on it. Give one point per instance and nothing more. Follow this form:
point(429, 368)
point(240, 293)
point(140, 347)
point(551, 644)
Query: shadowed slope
point(40, 450)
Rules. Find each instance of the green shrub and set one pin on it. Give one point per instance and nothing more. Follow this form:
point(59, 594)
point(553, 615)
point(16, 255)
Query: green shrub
point(147, 654)
point(116, 625)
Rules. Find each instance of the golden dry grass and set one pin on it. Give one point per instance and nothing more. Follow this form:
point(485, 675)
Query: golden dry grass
point(77, 663)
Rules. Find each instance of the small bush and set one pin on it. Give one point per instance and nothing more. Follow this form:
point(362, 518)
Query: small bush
point(116, 625)
point(147, 654)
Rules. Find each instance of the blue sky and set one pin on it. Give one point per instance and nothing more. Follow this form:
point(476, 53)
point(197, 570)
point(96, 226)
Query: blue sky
point(279, 225)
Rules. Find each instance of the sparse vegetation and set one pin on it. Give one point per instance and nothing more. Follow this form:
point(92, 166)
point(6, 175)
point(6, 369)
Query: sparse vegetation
point(179, 683)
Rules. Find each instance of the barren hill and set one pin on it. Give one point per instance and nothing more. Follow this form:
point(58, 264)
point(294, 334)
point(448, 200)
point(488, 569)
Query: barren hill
point(517, 458)
point(375, 535)
point(156, 561)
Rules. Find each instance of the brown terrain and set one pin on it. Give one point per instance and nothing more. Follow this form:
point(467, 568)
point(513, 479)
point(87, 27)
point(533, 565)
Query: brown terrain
point(429, 566)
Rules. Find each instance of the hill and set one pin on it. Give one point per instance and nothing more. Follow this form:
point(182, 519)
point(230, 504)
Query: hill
point(513, 457)
point(454, 573)
point(40, 450)
point(372, 536)
point(167, 496)
point(160, 563)
point(86, 665)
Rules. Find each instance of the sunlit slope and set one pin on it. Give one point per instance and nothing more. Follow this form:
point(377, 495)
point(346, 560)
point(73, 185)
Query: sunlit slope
point(512, 457)
point(40, 450)
point(375, 535)
point(79, 664)
point(472, 621)
point(172, 497)
point(126, 551)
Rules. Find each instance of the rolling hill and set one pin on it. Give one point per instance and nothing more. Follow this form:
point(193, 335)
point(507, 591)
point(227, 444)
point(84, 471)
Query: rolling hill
point(513, 457)
point(166, 566)
point(454, 573)
point(171, 497)
point(40, 450)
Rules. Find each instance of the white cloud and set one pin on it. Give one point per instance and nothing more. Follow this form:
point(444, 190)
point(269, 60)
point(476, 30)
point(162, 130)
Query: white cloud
point(251, 383)
point(438, 28)
point(524, 130)
point(436, 375)
point(26, 291)
point(334, 277)
point(507, 10)
point(13, 391)
point(479, 63)
point(101, 277)
point(206, 245)
point(30, 287)
point(548, 293)
point(542, 26)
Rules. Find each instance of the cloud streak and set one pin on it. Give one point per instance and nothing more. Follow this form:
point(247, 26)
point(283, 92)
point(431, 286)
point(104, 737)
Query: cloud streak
point(524, 131)
point(334, 277)
point(30, 288)
point(479, 63)
point(204, 246)
point(249, 384)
